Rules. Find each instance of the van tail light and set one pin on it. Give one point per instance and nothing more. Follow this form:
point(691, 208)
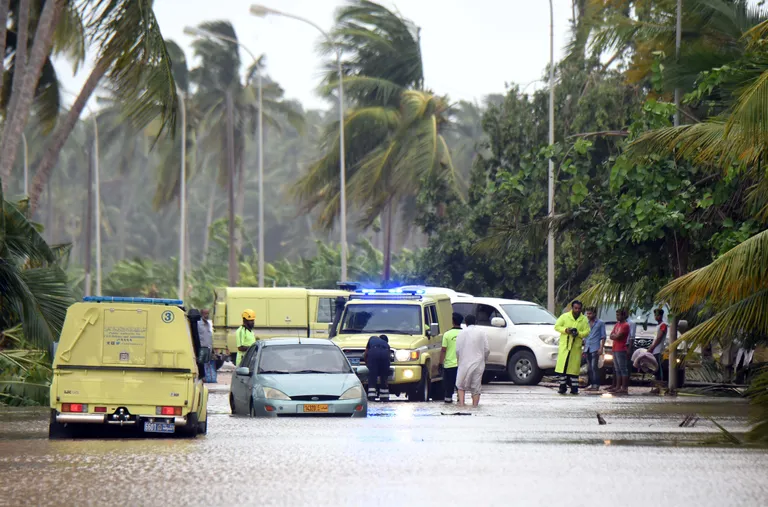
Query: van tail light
point(74, 407)
point(168, 411)
point(100, 409)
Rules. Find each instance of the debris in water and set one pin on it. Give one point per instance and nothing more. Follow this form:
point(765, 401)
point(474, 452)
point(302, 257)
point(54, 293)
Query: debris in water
point(689, 421)
point(455, 413)
point(600, 419)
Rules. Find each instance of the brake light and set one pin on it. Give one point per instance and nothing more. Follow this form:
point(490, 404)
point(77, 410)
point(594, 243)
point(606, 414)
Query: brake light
point(358, 408)
point(269, 408)
point(168, 411)
point(99, 409)
point(74, 407)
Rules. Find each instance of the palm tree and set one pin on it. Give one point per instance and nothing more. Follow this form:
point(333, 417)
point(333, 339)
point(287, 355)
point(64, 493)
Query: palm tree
point(33, 288)
point(131, 56)
point(394, 140)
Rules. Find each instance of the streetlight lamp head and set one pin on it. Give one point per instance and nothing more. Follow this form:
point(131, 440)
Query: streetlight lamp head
point(262, 11)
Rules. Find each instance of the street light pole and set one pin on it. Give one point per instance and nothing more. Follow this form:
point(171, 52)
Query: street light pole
point(183, 194)
point(98, 202)
point(262, 11)
point(199, 32)
point(551, 172)
point(26, 164)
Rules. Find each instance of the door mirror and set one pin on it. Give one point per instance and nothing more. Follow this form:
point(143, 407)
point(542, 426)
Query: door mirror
point(242, 371)
point(498, 322)
point(434, 329)
point(682, 326)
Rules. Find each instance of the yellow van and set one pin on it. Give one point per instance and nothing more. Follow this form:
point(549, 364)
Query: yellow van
point(128, 363)
point(414, 323)
point(280, 311)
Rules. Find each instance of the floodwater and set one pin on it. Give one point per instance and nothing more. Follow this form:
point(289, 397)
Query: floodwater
point(523, 446)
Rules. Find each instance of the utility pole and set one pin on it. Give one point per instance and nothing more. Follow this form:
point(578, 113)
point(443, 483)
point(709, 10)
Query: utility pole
point(551, 172)
point(674, 318)
point(89, 227)
point(233, 268)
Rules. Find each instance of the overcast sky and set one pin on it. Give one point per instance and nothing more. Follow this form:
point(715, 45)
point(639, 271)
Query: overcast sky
point(470, 47)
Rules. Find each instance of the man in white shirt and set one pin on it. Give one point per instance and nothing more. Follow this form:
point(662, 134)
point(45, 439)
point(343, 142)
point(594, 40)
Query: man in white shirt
point(472, 352)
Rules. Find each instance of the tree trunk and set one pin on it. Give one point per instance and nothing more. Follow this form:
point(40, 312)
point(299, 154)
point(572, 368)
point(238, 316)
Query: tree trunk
point(233, 254)
point(209, 221)
point(387, 243)
point(16, 119)
point(4, 5)
point(20, 60)
point(60, 135)
point(240, 203)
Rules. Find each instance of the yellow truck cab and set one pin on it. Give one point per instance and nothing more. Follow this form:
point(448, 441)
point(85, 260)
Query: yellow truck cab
point(414, 323)
point(130, 364)
point(280, 312)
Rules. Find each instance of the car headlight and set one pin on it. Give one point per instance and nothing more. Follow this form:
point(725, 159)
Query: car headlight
point(549, 339)
point(406, 355)
point(274, 394)
point(353, 393)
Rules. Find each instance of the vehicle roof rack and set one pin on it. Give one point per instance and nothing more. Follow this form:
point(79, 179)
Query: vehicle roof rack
point(137, 300)
point(350, 286)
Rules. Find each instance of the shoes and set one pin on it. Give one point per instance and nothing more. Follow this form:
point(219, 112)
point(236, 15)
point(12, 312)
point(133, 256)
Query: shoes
point(563, 389)
point(574, 390)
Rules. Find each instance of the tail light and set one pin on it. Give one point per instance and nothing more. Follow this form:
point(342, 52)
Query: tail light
point(168, 411)
point(269, 408)
point(74, 407)
point(100, 409)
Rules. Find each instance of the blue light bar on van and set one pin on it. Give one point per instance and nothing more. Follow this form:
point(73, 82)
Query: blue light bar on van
point(146, 301)
point(387, 294)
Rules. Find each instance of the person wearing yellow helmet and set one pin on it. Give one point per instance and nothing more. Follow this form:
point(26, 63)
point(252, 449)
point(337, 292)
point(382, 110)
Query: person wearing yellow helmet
point(245, 336)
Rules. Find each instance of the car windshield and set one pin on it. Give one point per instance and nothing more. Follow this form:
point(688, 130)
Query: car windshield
point(303, 359)
point(528, 314)
point(378, 319)
point(608, 315)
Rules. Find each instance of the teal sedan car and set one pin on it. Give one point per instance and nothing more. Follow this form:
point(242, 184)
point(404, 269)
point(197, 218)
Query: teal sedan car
point(296, 377)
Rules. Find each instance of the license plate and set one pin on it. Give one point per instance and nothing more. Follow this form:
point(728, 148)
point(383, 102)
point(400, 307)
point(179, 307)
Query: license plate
point(158, 427)
point(315, 409)
point(354, 361)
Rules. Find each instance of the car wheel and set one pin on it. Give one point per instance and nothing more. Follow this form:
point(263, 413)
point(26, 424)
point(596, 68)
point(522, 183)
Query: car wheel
point(232, 404)
point(219, 363)
point(57, 430)
point(421, 391)
point(488, 377)
point(523, 368)
point(252, 410)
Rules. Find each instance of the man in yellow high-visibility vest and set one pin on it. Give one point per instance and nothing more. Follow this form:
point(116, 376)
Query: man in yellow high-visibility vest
point(245, 336)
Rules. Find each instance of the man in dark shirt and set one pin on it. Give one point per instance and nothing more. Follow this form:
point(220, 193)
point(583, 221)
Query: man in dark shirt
point(376, 357)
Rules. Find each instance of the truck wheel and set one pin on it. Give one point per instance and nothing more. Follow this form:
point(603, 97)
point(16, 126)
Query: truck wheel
point(202, 427)
point(56, 430)
point(436, 391)
point(219, 363)
point(191, 429)
point(523, 369)
point(421, 391)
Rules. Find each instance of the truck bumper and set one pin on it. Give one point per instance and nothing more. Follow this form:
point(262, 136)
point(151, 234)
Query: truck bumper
point(398, 374)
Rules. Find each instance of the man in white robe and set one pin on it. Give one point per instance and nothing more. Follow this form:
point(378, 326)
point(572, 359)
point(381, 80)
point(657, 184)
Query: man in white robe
point(472, 352)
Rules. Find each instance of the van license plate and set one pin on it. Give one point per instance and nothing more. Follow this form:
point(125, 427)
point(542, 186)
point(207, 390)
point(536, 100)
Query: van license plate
point(315, 408)
point(157, 427)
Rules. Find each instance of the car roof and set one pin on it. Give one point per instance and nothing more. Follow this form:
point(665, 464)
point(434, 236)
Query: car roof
point(498, 301)
point(296, 341)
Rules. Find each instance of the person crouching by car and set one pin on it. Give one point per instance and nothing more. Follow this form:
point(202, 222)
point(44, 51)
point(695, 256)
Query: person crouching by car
point(377, 359)
point(573, 328)
point(619, 336)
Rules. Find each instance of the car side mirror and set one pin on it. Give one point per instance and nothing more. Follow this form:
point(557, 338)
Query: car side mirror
point(242, 371)
point(434, 329)
point(498, 322)
point(682, 326)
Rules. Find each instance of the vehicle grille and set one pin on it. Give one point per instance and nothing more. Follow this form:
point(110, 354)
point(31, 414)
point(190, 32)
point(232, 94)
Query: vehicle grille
point(314, 397)
point(642, 343)
point(358, 354)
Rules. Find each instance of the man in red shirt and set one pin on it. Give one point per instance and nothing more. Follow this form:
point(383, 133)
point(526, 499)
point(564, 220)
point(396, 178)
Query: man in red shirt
point(657, 347)
point(619, 336)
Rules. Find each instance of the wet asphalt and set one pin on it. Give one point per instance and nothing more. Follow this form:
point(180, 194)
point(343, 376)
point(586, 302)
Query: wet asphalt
point(522, 446)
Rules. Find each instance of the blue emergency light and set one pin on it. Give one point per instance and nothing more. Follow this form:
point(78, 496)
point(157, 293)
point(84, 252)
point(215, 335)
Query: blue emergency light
point(387, 294)
point(147, 301)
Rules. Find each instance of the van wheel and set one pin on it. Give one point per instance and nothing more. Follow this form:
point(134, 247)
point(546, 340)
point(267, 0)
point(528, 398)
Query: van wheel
point(56, 430)
point(523, 369)
point(191, 429)
point(421, 391)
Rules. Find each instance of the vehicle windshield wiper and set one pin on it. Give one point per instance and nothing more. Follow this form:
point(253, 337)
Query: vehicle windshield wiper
point(350, 331)
point(312, 371)
point(396, 331)
point(272, 372)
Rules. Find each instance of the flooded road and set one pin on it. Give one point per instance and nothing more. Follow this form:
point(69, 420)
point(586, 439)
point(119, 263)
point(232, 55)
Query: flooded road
point(523, 446)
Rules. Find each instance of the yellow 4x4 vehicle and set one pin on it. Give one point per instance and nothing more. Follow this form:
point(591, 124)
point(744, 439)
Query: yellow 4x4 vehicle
point(283, 312)
point(128, 363)
point(414, 323)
